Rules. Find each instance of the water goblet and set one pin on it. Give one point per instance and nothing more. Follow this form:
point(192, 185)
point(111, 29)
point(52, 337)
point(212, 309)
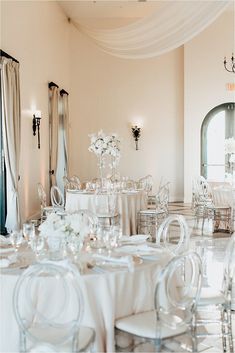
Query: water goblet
point(110, 240)
point(37, 244)
point(117, 230)
point(28, 231)
point(16, 238)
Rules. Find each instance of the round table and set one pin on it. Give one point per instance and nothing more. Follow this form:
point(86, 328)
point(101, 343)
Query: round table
point(128, 205)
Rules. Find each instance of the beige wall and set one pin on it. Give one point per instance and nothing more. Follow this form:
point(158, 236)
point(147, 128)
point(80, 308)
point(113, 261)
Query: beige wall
point(205, 87)
point(109, 93)
point(36, 33)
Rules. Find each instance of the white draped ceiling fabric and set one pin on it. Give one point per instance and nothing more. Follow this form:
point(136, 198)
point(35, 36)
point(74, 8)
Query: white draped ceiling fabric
point(175, 23)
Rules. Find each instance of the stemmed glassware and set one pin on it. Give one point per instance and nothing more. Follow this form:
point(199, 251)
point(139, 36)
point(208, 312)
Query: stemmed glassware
point(28, 231)
point(16, 238)
point(37, 244)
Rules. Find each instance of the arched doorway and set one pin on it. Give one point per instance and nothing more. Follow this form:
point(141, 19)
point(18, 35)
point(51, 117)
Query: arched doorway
point(218, 125)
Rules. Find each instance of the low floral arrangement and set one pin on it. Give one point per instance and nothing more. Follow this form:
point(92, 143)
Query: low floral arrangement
point(63, 226)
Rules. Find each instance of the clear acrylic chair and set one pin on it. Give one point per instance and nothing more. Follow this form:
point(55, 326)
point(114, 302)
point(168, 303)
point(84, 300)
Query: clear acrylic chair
point(145, 183)
point(87, 221)
point(45, 209)
point(214, 300)
point(57, 198)
point(176, 295)
point(223, 209)
point(149, 220)
point(48, 307)
point(173, 234)
point(106, 208)
point(202, 202)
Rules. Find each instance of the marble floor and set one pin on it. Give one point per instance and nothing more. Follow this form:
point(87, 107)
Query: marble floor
point(213, 247)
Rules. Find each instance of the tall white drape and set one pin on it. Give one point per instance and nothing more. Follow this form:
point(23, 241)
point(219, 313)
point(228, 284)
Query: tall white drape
point(175, 23)
point(54, 128)
point(11, 124)
point(65, 119)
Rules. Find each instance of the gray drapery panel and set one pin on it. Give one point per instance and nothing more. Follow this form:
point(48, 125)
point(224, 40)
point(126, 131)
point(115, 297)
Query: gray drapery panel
point(65, 121)
point(54, 127)
point(11, 119)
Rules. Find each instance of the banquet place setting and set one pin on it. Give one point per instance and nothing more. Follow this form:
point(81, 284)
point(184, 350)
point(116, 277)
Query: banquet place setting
point(117, 183)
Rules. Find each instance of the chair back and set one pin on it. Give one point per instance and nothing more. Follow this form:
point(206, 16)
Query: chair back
point(222, 196)
point(57, 198)
point(42, 195)
point(84, 221)
point(162, 198)
point(145, 183)
point(48, 304)
point(229, 268)
point(177, 291)
point(201, 189)
point(173, 234)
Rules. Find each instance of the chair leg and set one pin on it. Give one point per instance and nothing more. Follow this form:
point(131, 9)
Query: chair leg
point(230, 334)
point(223, 320)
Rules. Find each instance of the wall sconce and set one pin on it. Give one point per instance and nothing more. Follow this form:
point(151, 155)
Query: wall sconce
point(136, 134)
point(231, 65)
point(36, 125)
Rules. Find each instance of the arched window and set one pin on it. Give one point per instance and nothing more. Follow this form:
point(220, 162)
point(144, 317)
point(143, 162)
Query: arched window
point(218, 125)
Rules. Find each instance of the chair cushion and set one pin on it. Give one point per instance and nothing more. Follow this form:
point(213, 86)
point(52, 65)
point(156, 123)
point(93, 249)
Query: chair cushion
point(151, 211)
point(107, 215)
point(144, 325)
point(49, 336)
point(210, 296)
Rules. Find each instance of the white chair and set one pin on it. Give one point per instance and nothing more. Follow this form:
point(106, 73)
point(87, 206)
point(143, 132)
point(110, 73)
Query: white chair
point(173, 234)
point(57, 198)
point(45, 209)
point(48, 307)
point(223, 209)
point(145, 183)
point(176, 295)
point(149, 220)
point(212, 299)
point(202, 202)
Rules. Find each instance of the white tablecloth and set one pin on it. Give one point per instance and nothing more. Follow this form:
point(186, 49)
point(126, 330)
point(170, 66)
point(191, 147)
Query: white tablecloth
point(129, 204)
point(108, 296)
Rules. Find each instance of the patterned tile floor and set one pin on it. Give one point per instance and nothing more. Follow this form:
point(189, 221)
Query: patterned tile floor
point(214, 250)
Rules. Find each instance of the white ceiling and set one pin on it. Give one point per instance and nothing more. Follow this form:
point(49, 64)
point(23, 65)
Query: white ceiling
point(113, 13)
point(108, 14)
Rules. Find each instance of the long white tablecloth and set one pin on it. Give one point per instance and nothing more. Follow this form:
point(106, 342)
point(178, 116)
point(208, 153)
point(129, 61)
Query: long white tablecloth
point(108, 296)
point(129, 204)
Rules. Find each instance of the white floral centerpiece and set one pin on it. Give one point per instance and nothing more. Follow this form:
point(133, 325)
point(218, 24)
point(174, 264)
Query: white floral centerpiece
point(103, 145)
point(59, 230)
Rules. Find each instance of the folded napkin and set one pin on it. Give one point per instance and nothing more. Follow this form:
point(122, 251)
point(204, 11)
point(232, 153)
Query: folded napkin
point(134, 239)
point(143, 249)
point(119, 261)
point(4, 241)
point(4, 263)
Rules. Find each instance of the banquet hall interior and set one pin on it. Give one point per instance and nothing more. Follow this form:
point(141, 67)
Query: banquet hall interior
point(117, 176)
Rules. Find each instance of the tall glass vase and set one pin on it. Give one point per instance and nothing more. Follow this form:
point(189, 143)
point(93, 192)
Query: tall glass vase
point(101, 170)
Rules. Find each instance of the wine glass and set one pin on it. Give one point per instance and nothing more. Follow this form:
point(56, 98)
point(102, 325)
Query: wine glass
point(28, 231)
point(37, 244)
point(16, 238)
point(110, 240)
point(117, 230)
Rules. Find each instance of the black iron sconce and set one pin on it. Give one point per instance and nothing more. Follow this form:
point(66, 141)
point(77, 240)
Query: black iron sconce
point(36, 125)
point(136, 134)
point(231, 66)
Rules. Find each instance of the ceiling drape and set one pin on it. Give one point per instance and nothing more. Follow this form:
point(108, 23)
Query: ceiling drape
point(171, 26)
